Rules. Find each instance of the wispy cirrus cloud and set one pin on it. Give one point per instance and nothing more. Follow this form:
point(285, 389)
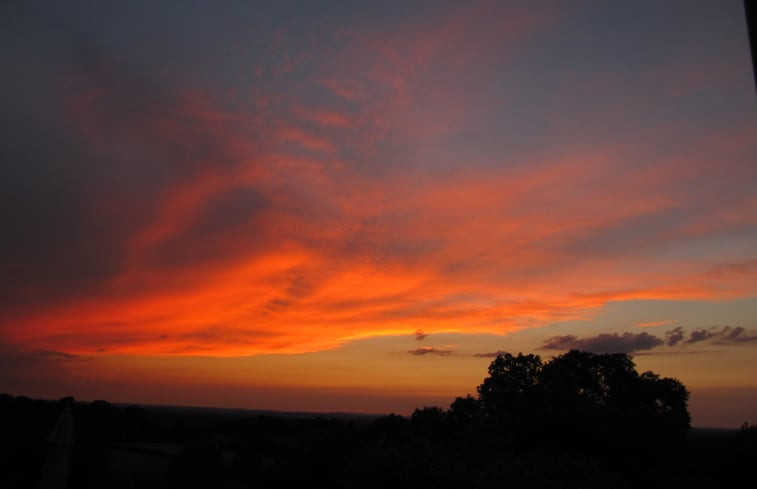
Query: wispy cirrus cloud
point(651, 324)
point(430, 350)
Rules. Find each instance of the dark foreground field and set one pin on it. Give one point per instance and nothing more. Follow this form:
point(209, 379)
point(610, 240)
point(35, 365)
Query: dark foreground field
point(136, 446)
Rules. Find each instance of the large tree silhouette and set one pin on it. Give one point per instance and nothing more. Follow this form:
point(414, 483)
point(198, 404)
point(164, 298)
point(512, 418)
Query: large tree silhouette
point(579, 398)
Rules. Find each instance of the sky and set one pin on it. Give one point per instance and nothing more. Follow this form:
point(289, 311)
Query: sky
point(353, 206)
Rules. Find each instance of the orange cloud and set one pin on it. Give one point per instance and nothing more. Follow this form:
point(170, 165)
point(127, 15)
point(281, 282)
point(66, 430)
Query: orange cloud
point(652, 324)
point(283, 221)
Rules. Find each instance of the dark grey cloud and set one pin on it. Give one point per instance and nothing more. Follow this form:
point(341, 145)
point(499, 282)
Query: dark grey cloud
point(604, 343)
point(674, 336)
point(27, 371)
point(58, 238)
point(674, 353)
point(96, 133)
point(428, 350)
point(737, 335)
point(70, 195)
point(700, 335)
point(488, 355)
point(639, 342)
point(723, 335)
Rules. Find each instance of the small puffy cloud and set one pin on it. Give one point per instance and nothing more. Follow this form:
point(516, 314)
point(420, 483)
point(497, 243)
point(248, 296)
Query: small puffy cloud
point(429, 350)
point(420, 335)
point(674, 336)
point(604, 343)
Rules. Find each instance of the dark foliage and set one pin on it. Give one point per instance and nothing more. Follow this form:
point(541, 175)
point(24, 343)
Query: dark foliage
point(582, 400)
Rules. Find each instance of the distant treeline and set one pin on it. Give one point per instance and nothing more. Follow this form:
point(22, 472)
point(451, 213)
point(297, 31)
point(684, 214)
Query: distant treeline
point(581, 420)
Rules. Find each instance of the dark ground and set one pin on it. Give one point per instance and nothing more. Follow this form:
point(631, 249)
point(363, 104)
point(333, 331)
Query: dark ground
point(128, 446)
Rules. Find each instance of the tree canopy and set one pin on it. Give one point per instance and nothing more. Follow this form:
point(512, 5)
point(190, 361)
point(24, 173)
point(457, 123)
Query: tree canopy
point(578, 397)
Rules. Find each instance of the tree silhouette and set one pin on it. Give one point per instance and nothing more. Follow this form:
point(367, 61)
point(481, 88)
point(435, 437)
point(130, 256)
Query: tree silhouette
point(512, 379)
point(665, 401)
point(579, 398)
point(464, 409)
point(429, 421)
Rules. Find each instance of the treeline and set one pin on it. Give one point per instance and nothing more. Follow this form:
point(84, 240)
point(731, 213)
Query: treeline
point(581, 420)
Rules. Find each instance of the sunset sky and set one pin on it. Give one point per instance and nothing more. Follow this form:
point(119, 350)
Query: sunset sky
point(352, 206)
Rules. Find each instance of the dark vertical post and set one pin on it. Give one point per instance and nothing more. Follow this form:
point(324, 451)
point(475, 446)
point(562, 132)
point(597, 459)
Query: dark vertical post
point(750, 8)
point(60, 447)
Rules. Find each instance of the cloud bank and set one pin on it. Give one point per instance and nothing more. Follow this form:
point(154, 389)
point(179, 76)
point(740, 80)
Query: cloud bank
point(637, 342)
point(604, 343)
